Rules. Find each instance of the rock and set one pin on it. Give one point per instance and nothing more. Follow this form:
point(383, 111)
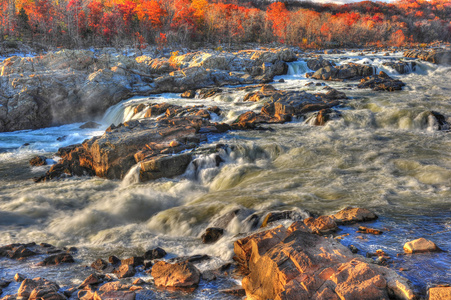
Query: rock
point(322, 224)
point(90, 125)
point(400, 67)
point(125, 271)
point(209, 276)
point(139, 108)
point(435, 56)
point(157, 109)
point(381, 82)
point(280, 215)
point(295, 264)
point(353, 215)
point(208, 92)
point(4, 283)
point(211, 235)
point(133, 261)
point(115, 295)
point(92, 279)
point(237, 291)
point(191, 259)
point(343, 72)
point(363, 229)
point(20, 252)
point(139, 281)
point(164, 166)
point(57, 259)
point(39, 287)
point(182, 274)
point(99, 265)
point(114, 260)
point(323, 116)
point(316, 64)
point(38, 161)
point(19, 277)
point(420, 245)
point(188, 94)
point(155, 253)
point(440, 293)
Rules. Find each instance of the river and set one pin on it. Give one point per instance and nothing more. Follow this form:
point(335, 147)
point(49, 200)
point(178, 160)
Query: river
point(384, 153)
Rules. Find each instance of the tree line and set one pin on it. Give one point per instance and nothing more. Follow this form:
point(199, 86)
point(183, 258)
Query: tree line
point(85, 23)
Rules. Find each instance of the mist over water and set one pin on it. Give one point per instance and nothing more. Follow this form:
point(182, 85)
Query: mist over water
point(384, 153)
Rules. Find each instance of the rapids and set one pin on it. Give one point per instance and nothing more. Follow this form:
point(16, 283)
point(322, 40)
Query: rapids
point(384, 153)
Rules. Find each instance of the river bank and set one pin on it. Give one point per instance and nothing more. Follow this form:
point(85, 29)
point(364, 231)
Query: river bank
point(376, 149)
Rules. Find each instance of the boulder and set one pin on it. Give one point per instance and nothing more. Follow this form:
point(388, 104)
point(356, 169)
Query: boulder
point(57, 259)
point(400, 67)
point(133, 261)
point(182, 274)
point(211, 235)
point(188, 94)
point(296, 264)
point(99, 265)
point(280, 215)
point(20, 252)
point(125, 271)
point(32, 288)
point(92, 279)
point(435, 56)
point(318, 63)
point(322, 224)
point(208, 92)
point(439, 293)
point(381, 82)
point(38, 161)
point(155, 253)
point(115, 295)
point(353, 215)
point(420, 245)
point(343, 72)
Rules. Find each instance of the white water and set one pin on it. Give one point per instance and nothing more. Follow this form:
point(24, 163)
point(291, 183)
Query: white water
point(384, 153)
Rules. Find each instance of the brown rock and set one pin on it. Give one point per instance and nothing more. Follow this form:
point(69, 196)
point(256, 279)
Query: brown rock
point(155, 253)
point(57, 259)
point(440, 293)
point(38, 161)
point(353, 215)
point(91, 280)
point(99, 265)
point(125, 271)
point(211, 235)
point(363, 229)
point(322, 224)
point(19, 277)
point(188, 94)
point(37, 286)
point(115, 295)
point(133, 261)
point(139, 108)
point(20, 252)
point(420, 245)
point(182, 274)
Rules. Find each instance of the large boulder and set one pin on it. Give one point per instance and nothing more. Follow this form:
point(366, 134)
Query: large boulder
point(436, 56)
point(296, 264)
point(381, 82)
point(183, 274)
point(342, 72)
point(420, 245)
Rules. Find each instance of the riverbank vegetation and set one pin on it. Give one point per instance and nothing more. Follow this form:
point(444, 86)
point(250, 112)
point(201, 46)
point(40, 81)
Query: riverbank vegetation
point(85, 23)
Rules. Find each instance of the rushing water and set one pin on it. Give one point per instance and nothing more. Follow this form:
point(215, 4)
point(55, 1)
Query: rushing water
point(384, 153)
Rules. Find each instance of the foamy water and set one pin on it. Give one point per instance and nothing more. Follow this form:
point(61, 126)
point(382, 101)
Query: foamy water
point(385, 153)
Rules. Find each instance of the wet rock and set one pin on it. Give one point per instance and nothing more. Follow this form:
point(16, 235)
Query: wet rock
point(381, 82)
point(188, 94)
point(92, 279)
point(323, 116)
point(90, 125)
point(114, 260)
point(155, 253)
point(157, 109)
point(322, 224)
point(57, 259)
point(19, 277)
point(349, 71)
point(125, 271)
point(192, 259)
point(400, 67)
point(280, 215)
point(37, 288)
point(139, 281)
point(182, 274)
point(237, 291)
point(133, 261)
point(114, 295)
point(353, 215)
point(38, 161)
point(316, 64)
point(164, 166)
point(295, 264)
point(99, 265)
point(353, 249)
point(147, 264)
point(211, 235)
point(139, 108)
point(208, 92)
point(4, 284)
point(20, 252)
point(440, 293)
point(208, 276)
point(366, 230)
point(420, 245)
point(435, 56)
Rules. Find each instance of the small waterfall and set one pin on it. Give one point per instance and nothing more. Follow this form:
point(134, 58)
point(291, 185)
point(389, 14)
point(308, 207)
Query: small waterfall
point(132, 176)
point(123, 111)
point(298, 68)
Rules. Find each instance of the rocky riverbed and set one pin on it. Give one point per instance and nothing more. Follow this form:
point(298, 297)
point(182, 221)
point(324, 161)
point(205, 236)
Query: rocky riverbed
point(254, 150)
